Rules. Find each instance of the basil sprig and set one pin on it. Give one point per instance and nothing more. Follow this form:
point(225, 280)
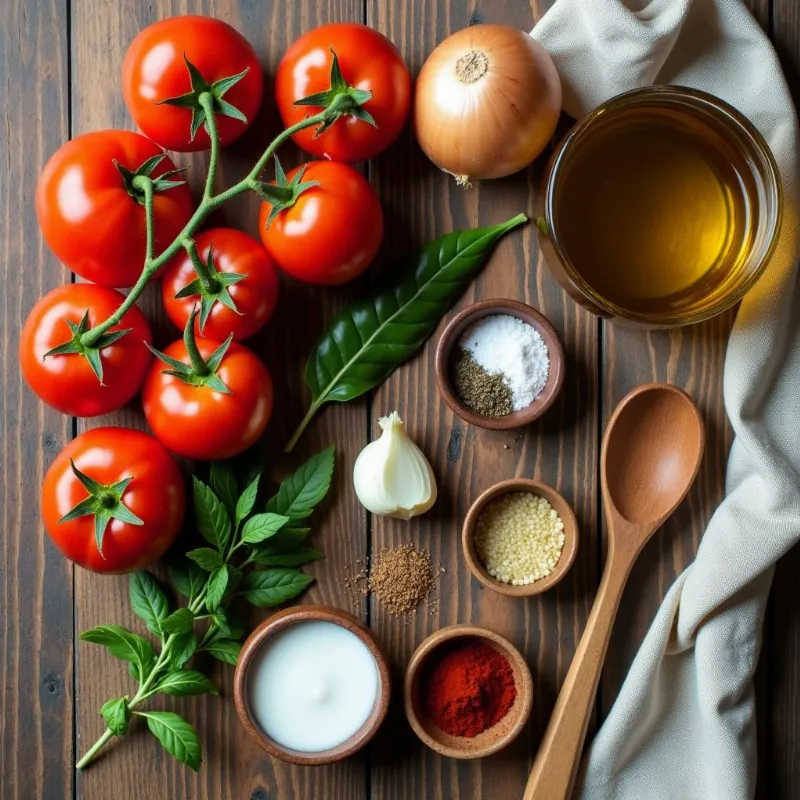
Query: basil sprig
point(252, 556)
point(371, 338)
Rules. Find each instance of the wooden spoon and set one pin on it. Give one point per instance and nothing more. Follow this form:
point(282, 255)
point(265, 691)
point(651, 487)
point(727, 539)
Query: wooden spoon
point(650, 457)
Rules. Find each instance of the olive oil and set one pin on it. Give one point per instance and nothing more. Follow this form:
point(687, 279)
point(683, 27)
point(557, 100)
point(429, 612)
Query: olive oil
point(657, 210)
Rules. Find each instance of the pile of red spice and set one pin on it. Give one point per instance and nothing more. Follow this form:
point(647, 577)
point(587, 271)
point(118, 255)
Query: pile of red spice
point(467, 688)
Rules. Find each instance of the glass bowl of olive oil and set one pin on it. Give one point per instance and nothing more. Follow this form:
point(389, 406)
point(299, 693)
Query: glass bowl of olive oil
point(662, 207)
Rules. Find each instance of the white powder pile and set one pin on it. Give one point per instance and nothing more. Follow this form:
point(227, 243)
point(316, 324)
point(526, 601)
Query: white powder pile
point(507, 346)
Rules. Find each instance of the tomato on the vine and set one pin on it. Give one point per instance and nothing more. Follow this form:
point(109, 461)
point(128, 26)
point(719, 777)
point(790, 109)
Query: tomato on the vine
point(113, 500)
point(80, 381)
point(212, 402)
point(155, 71)
point(368, 61)
point(91, 210)
point(328, 233)
point(240, 290)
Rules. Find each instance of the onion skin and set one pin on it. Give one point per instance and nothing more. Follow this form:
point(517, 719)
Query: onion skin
point(488, 100)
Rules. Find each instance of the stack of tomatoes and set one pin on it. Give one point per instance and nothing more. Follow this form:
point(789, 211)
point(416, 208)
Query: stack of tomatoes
point(113, 500)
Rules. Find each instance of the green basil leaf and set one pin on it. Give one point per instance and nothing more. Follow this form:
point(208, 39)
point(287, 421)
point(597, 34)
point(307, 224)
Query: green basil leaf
point(183, 647)
point(267, 588)
point(287, 538)
point(148, 601)
point(235, 623)
point(186, 682)
point(370, 339)
point(226, 650)
point(278, 557)
point(301, 492)
point(116, 715)
point(220, 619)
point(262, 526)
point(206, 558)
point(223, 481)
point(123, 644)
point(176, 735)
point(180, 621)
point(247, 500)
point(212, 519)
point(217, 584)
point(187, 578)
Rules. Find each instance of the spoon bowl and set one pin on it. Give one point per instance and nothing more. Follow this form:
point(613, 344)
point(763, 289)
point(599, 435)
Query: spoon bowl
point(657, 428)
point(650, 457)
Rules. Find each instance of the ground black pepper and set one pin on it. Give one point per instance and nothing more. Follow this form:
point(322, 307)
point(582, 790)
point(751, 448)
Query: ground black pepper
point(484, 392)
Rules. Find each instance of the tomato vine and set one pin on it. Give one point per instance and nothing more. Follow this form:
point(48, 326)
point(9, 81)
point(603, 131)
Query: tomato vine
point(341, 99)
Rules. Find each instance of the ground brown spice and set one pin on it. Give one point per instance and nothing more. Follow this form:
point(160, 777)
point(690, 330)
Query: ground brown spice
point(483, 392)
point(402, 579)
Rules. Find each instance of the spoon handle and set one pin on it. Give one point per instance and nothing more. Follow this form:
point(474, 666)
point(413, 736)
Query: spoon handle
point(556, 764)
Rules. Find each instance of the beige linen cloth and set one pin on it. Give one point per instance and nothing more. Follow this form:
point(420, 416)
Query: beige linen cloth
point(683, 725)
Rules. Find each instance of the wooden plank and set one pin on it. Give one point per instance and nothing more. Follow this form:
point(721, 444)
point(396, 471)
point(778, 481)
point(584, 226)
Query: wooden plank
point(235, 768)
point(35, 580)
point(425, 203)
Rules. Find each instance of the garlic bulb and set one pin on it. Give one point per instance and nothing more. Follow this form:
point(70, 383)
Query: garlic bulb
point(391, 476)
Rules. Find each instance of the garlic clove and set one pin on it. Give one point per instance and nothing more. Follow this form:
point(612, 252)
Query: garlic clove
point(392, 477)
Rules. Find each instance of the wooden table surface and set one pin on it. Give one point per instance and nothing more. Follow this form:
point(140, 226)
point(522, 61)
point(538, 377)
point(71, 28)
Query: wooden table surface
point(60, 65)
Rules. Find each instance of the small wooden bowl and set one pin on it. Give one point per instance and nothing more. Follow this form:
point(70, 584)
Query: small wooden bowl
point(563, 510)
point(278, 622)
point(450, 338)
point(492, 739)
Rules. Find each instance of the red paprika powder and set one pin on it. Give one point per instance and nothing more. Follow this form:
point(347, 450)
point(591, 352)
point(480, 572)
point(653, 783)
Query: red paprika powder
point(467, 688)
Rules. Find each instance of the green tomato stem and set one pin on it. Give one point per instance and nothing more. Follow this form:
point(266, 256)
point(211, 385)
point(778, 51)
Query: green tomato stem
point(210, 283)
point(199, 366)
point(146, 185)
point(206, 101)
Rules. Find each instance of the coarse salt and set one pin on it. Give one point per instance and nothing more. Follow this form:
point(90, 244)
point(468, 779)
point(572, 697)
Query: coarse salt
point(505, 345)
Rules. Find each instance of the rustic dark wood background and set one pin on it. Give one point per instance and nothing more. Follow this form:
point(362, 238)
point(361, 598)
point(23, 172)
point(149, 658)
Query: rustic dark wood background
point(59, 67)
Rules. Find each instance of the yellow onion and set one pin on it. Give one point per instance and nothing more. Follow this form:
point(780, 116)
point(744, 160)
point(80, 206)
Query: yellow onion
point(487, 102)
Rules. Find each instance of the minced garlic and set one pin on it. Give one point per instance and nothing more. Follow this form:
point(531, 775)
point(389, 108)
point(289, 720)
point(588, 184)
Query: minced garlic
point(519, 538)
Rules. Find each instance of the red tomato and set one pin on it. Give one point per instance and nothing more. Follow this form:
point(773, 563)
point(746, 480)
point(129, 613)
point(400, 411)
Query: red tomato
point(154, 70)
point(255, 297)
point(332, 232)
point(67, 382)
point(199, 422)
point(89, 219)
point(155, 494)
point(369, 61)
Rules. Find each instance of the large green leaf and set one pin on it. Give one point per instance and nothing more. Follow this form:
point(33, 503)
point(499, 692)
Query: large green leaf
point(186, 682)
point(187, 577)
point(180, 621)
point(123, 644)
point(148, 600)
point(226, 650)
point(267, 588)
point(176, 735)
point(210, 514)
point(302, 491)
point(261, 527)
point(223, 481)
point(371, 338)
point(217, 584)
